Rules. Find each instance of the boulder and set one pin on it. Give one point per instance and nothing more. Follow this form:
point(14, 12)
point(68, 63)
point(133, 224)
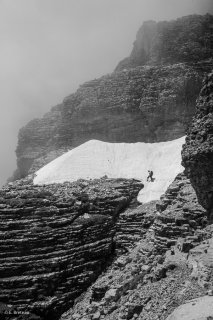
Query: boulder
point(196, 309)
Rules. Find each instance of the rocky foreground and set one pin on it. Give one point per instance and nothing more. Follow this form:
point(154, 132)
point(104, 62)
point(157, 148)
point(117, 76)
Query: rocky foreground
point(163, 270)
point(56, 239)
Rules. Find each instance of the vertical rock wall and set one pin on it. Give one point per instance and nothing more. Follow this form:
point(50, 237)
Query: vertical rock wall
point(187, 39)
point(197, 153)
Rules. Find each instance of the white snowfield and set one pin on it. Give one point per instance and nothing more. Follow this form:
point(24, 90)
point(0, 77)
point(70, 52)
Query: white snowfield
point(94, 159)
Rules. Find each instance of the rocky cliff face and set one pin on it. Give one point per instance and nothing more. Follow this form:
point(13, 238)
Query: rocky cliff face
point(198, 151)
point(187, 39)
point(141, 101)
point(56, 239)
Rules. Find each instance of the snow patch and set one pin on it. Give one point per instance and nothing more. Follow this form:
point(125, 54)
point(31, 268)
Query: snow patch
point(94, 159)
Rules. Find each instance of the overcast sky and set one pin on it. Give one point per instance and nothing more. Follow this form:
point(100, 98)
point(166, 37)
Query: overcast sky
point(49, 47)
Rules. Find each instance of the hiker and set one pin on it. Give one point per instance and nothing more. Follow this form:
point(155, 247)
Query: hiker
point(150, 176)
point(179, 246)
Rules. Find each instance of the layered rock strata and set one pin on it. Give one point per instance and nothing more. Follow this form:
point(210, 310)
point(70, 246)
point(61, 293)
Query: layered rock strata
point(197, 153)
point(179, 216)
point(56, 239)
point(150, 280)
point(133, 224)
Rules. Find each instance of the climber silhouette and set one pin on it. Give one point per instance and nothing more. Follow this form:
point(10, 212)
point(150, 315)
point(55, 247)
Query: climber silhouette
point(150, 176)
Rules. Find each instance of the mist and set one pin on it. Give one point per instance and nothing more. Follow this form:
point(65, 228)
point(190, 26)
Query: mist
point(49, 47)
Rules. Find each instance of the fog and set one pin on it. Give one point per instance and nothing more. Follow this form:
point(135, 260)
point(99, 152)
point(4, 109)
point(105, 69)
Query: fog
point(49, 47)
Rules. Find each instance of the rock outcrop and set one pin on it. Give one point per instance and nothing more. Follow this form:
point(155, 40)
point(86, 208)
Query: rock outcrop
point(149, 99)
point(197, 153)
point(56, 239)
point(196, 309)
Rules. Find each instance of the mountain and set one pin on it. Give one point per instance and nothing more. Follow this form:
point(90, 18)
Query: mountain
point(187, 40)
point(149, 99)
point(77, 245)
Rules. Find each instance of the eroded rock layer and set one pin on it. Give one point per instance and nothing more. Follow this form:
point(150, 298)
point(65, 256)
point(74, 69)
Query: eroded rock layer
point(56, 239)
point(197, 153)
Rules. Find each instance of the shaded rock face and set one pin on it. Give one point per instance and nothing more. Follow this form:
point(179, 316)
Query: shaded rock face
point(148, 104)
point(197, 153)
point(187, 39)
point(56, 239)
